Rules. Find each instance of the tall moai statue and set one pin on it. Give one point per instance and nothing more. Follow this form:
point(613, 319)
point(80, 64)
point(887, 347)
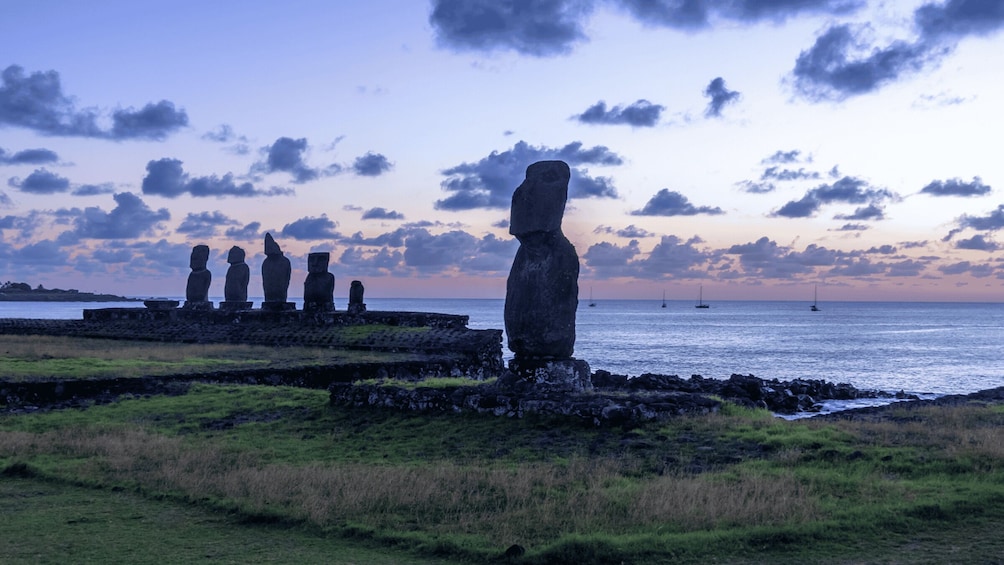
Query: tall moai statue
point(319, 286)
point(356, 304)
point(543, 287)
point(275, 273)
point(197, 290)
point(235, 290)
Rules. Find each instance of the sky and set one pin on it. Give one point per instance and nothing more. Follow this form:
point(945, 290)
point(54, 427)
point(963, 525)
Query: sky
point(756, 148)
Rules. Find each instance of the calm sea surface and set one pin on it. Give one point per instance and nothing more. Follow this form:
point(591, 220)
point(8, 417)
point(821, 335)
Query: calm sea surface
point(940, 348)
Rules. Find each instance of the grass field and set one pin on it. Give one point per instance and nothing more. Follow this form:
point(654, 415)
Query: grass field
point(275, 474)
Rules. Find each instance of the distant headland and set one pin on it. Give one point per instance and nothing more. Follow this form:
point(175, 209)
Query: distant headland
point(22, 292)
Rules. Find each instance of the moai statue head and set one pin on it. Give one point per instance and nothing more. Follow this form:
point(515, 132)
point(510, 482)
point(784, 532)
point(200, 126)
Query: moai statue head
point(235, 256)
point(271, 247)
point(539, 202)
point(318, 262)
point(199, 258)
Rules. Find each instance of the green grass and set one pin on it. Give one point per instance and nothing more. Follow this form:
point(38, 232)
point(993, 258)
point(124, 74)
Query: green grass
point(738, 486)
point(38, 357)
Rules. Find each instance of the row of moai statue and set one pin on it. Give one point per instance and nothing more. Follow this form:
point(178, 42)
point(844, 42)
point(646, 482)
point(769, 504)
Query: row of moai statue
point(318, 287)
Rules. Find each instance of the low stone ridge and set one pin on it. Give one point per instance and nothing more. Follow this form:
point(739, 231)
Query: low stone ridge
point(614, 400)
point(479, 350)
point(781, 397)
point(27, 396)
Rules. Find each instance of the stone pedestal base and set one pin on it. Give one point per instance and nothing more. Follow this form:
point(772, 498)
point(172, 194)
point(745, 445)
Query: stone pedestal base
point(555, 374)
point(278, 306)
point(198, 305)
point(356, 309)
point(234, 306)
point(318, 306)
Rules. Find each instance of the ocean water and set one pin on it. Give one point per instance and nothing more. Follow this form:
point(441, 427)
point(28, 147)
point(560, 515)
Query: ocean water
point(936, 348)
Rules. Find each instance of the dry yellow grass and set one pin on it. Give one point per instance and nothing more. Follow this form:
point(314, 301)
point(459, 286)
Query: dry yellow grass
point(531, 502)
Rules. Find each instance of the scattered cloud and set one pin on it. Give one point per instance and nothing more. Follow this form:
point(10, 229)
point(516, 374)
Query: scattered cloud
point(956, 187)
point(978, 243)
point(540, 28)
point(131, 218)
point(248, 232)
point(847, 190)
point(630, 232)
point(641, 113)
point(310, 229)
point(382, 214)
point(204, 224)
point(692, 15)
point(671, 203)
point(41, 181)
point(29, 157)
point(371, 165)
point(784, 158)
point(720, 97)
point(224, 133)
point(286, 155)
point(490, 182)
point(166, 177)
point(93, 189)
point(36, 102)
point(843, 63)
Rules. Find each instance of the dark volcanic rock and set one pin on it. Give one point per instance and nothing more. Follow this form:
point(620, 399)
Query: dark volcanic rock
point(356, 304)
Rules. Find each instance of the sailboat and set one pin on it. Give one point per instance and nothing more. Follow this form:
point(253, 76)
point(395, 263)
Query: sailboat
point(664, 299)
point(814, 307)
point(592, 304)
point(700, 299)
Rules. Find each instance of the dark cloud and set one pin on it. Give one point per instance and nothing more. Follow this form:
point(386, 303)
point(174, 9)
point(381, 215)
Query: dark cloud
point(720, 97)
point(382, 214)
point(309, 229)
point(641, 113)
point(490, 182)
point(28, 157)
point(363, 262)
point(166, 177)
point(870, 212)
point(698, 14)
point(756, 187)
point(131, 218)
point(630, 232)
point(853, 227)
point(391, 239)
point(37, 102)
point(956, 187)
point(530, 27)
point(225, 134)
point(964, 267)
point(41, 181)
point(992, 221)
point(825, 71)
point(41, 253)
point(848, 190)
point(672, 203)
point(371, 165)
point(765, 258)
point(286, 155)
point(5, 201)
point(842, 64)
point(677, 258)
point(204, 224)
point(93, 189)
point(153, 121)
point(779, 174)
point(609, 259)
point(435, 253)
point(784, 158)
point(249, 232)
point(978, 242)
